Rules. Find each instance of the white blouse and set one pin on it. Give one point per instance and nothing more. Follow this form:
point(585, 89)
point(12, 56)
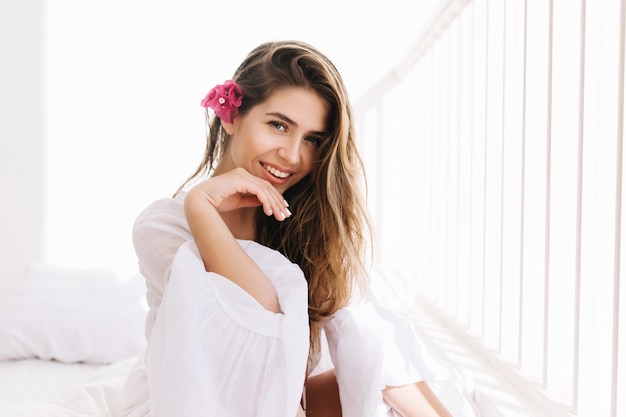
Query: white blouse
point(213, 350)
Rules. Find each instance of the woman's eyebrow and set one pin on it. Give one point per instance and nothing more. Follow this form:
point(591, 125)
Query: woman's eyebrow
point(282, 116)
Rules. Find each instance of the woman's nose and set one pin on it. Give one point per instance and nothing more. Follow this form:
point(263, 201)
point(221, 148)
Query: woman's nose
point(290, 150)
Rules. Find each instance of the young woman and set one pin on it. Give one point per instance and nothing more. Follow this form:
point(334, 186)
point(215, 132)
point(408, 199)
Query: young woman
point(258, 261)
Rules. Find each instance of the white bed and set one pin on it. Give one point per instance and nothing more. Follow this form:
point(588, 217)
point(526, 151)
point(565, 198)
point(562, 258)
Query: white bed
point(43, 388)
point(68, 338)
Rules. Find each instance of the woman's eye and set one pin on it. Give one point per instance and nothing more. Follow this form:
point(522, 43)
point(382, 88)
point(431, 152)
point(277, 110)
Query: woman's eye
point(278, 125)
point(314, 140)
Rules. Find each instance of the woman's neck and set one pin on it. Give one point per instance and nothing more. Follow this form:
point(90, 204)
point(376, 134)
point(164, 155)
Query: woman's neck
point(241, 222)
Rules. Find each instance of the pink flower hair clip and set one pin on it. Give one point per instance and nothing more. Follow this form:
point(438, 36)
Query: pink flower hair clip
point(224, 99)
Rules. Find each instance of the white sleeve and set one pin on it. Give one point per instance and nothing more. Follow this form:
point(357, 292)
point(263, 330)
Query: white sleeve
point(158, 233)
point(215, 351)
point(373, 347)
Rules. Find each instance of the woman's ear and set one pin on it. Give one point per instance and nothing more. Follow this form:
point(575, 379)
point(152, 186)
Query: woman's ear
point(229, 127)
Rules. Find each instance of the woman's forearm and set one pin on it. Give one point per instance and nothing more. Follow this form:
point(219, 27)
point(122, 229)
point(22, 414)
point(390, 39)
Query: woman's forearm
point(222, 254)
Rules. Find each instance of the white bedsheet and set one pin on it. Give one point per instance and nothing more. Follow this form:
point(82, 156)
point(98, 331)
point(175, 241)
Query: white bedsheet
point(43, 388)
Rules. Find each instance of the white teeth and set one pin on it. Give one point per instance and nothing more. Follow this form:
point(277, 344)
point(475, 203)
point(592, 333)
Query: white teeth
point(276, 172)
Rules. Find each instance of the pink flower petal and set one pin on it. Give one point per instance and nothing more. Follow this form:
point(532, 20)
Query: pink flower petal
point(224, 99)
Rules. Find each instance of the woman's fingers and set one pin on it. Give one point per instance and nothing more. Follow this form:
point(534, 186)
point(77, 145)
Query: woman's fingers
point(239, 189)
point(273, 202)
point(249, 201)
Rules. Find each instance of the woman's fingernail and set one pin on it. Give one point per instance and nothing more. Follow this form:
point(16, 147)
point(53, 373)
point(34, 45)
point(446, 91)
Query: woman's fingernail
point(286, 203)
point(288, 212)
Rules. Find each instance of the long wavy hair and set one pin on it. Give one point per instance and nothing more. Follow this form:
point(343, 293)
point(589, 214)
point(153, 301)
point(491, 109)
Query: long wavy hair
point(329, 234)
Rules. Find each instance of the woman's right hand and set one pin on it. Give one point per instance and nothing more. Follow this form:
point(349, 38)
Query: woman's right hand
point(240, 189)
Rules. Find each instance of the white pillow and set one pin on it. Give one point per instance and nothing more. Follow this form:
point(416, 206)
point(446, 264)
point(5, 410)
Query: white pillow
point(72, 315)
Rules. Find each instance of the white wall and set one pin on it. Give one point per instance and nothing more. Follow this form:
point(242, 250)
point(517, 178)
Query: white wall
point(22, 184)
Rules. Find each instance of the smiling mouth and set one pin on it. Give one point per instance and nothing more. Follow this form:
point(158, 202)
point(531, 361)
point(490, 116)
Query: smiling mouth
point(275, 172)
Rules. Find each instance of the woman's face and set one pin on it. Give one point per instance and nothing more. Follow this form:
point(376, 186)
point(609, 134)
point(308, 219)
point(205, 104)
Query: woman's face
point(277, 139)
